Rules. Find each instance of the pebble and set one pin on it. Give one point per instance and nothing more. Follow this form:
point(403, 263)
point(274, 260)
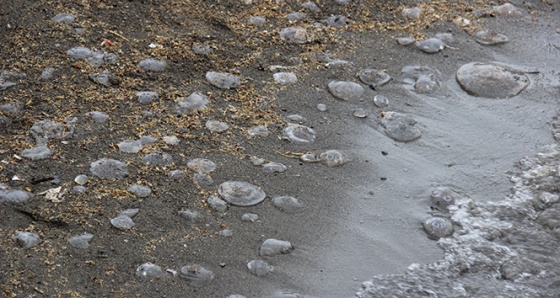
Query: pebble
point(380, 101)
point(412, 13)
point(430, 45)
point(63, 18)
point(441, 198)
point(490, 81)
point(171, 140)
point(337, 21)
point(146, 97)
point(99, 117)
point(345, 90)
point(106, 168)
point(249, 217)
point(81, 179)
point(273, 167)
point(285, 78)
point(201, 165)
point(400, 127)
point(259, 267)
point(216, 126)
point(321, 107)
point(122, 222)
point(37, 153)
point(288, 204)
point(14, 196)
point(223, 80)
point(507, 9)
point(438, 227)
point(217, 204)
point(130, 146)
point(360, 113)
point(258, 131)
point(155, 159)
point(26, 239)
point(490, 37)
point(272, 247)
point(405, 41)
point(196, 275)
point(297, 133)
point(152, 65)
point(80, 241)
point(257, 21)
point(140, 190)
point(149, 271)
point(333, 158)
point(240, 193)
point(294, 35)
point(374, 77)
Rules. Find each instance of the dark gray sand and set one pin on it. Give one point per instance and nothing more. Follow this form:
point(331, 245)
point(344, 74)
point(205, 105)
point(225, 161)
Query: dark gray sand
point(359, 220)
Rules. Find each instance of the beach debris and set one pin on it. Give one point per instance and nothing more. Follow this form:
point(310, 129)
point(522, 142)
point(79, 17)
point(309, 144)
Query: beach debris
point(400, 127)
point(297, 133)
point(374, 77)
point(122, 222)
point(216, 126)
point(490, 37)
point(149, 271)
point(14, 196)
point(259, 267)
point(37, 153)
point(490, 80)
point(26, 239)
point(130, 146)
point(80, 241)
point(249, 217)
point(194, 102)
point(272, 247)
point(424, 79)
point(54, 195)
point(273, 167)
point(151, 64)
point(217, 203)
point(438, 227)
point(380, 101)
point(507, 9)
point(430, 45)
point(196, 275)
point(139, 190)
point(288, 204)
point(146, 97)
point(333, 158)
point(106, 168)
point(239, 193)
point(441, 198)
point(223, 80)
point(346, 90)
point(285, 78)
point(155, 159)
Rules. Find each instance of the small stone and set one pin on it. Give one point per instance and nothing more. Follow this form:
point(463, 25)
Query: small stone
point(259, 267)
point(149, 271)
point(122, 222)
point(223, 80)
point(333, 158)
point(274, 167)
point(321, 107)
point(298, 133)
point(37, 153)
point(380, 101)
point(80, 241)
point(26, 239)
point(171, 140)
point(130, 146)
point(249, 217)
point(430, 45)
point(63, 18)
point(345, 90)
point(139, 190)
point(146, 97)
point(240, 193)
point(360, 113)
point(288, 204)
point(152, 65)
point(216, 126)
point(226, 233)
point(217, 204)
point(285, 78)
point(196, 275)
point(438, 227)
point(81, 179)
point(14, 196)
point(272, 247)
point(109, 169)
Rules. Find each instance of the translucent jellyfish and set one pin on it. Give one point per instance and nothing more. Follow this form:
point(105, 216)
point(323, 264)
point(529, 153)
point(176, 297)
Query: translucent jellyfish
point(155, 159)
point(285, 78)
point(296, 16)
point(26, 239)
point(491, 81)
point(346, 90)
point(249, 217)
point(105, 78)
point(148, 271)
point(152, 65)
point(131, 212)
point(374, 77)
point(196, 275)
point(296, 118)
point(299, 134)
point(257, 21)
point(140, 190)
point(109, 169)
point(441, 198)
point(380, 101)
point(425, 84)
point(130, 146)
point(310, 157)
point(14, 196)
point(47, 73)
point(257, 161)
point(333, 158)
point(80, 241)
point(216, 126)
point(274, 167)
point(201, 48)
point(240, 193)
point(430, 45)
point(310, 6)
point(400, 127)
point(412, 13)
point(259, 267)
point(176, 174)
point(217, 204)
point(490, 37)
point(447, 38)
point(272, 247)
point(63, 18)
point(194, 102)
point(236, 296)
point(288, 204)
point(201, 165)
point(360, 113)
point(171, 140)
point(147, 140)
point(98, 117)
point(258, 131)
point(44, 130)
point(223, 80)
point(321, 107)
point(122, 222)
point(294, 35)
point(337, 21)
point(37, 153)
point(189, 214)
point(424, 78)
point(507, 9)
point(438, 227)
point(81, 179)
point(79, 52)
point(146, 96)
point(405, 41)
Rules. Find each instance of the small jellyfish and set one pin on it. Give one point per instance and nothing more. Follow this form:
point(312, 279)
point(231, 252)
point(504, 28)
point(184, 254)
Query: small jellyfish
point(430, 45)
point(345, 90)
point(400, 127)
point(148, 271)
point(223, 80)
point(374, 77)
point(438, 227)
point(490, 37)
point(441, 198)
point(490, 81)
point(271, 247)
point(299, 133)
point(333, 158)
point(288, 204)
point(273, 167)
point(380, 101)
point(201, 165)
point(240, 193)
point(259, 267)
point(196, 275)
